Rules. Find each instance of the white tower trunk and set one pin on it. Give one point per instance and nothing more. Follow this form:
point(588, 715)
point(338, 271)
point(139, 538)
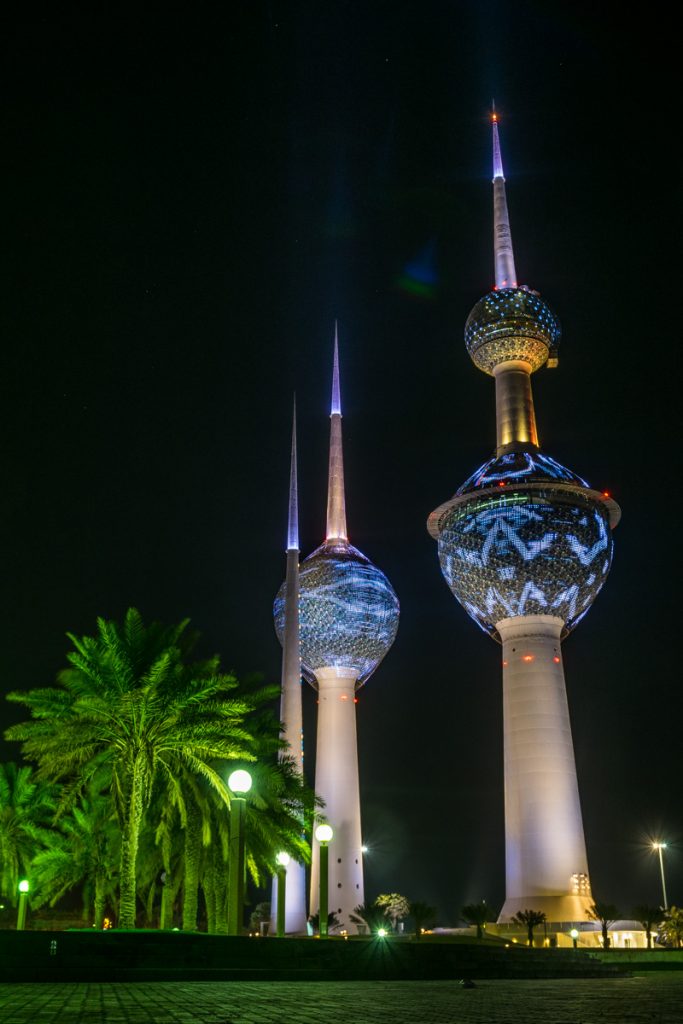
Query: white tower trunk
point(336, 781)
point(545, 852)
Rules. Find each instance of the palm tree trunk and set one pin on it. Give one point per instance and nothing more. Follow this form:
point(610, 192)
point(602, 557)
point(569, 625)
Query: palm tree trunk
point(129, 852)
point(100, 901)
point(221, 885)
point(193, 838)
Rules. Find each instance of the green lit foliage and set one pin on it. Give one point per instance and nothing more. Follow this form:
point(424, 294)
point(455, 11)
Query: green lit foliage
point(530, 919)
point(133, 706)
point(370, 916)
point(26, 808)
point(648, 917)
point(671, 929)
point(395, 906)
point(477, 914)
point(83, 852)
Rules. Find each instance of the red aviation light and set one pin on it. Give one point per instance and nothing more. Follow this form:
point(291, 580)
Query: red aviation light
point(501, 483)
point(605, 494)
point(556, 659)
point(505, 664)
point(494, 117)
point(355, 700)
point(527, 657)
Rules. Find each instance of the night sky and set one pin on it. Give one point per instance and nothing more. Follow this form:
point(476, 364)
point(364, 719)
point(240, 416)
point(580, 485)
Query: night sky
point(189, 201)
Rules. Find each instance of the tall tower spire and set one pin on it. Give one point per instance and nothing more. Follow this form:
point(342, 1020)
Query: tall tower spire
point(349, 616)
point(525, 545)
point(336, 504)
point(290, 702)
point(506, 275)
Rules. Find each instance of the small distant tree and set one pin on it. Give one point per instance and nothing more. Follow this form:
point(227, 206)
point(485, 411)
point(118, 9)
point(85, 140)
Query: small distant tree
point(648, 916)
point(672, 927)
point(259, 915)
point(395, 906)
point(606, 914)
point(477, 914)
point(531, 919)
point(370, 915)
point(332, 922)
point(423, 915)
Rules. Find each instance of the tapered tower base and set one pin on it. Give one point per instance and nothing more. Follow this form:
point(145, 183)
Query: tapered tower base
point(545, 853)
point(336, 781)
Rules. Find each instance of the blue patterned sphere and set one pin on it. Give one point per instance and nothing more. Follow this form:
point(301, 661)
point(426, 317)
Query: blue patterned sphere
point(511, 323)
point(348, 612)
point(524, 536)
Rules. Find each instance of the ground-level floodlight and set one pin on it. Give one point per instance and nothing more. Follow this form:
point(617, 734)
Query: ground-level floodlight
point(574, 937)
point(239, 784)
point(282, 860)
point(24, 888)
point(324, 834)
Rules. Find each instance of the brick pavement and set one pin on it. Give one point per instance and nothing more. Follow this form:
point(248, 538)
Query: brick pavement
point(650, 999)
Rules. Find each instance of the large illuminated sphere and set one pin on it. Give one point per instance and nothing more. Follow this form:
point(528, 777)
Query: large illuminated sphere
point(511, 323)
point(525, 536)
point(348, 612)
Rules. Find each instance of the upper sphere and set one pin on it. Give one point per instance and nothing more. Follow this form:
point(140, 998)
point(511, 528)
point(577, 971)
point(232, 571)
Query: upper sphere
point(348, 612)
point(511, 323)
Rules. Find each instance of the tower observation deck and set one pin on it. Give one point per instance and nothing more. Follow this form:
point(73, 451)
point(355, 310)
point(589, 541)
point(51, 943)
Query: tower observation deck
point(525, 545)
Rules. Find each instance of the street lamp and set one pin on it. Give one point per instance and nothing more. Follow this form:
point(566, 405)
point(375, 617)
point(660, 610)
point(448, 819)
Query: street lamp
point(658, 846)
point(282, 862)
point(574, 936)
point(239, 784)
point(23, 900)
point(324, 834)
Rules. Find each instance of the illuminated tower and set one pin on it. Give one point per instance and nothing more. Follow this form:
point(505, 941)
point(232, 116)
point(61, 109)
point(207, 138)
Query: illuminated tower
point(290, 702)
point(348, 614)
point(525, 545)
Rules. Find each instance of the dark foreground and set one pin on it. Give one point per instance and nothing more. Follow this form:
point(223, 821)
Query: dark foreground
point(655, 999)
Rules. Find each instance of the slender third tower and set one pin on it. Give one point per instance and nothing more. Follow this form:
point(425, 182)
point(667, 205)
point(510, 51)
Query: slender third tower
point(525, 545)
point(348, 615)
point(290, 702)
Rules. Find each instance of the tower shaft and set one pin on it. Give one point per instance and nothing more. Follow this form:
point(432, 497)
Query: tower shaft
point(336, 780)
point(336, 502)
point(291, 714)
point(545, 852)
point(504, 257)
point(515, 416)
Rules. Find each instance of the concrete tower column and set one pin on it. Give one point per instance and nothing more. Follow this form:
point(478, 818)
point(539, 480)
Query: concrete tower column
point(336, 779)
point(515, 416)
point(545, 852)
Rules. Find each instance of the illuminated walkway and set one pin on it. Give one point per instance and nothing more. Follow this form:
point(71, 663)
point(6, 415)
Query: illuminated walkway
point(653, 998)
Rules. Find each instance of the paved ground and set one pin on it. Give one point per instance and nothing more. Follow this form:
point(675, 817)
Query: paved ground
point(653, 999)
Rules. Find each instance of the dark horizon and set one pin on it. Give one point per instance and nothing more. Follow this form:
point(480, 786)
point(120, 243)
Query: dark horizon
point(191, 202)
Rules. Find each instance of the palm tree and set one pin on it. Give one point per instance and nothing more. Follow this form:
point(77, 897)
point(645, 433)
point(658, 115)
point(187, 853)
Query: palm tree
point(648, 916)
point(423, 915)
point(26, 808)
point(477, 914)
point(672, 926)
point(395, 906)
point(606, 914)
point(130, 704)
point(531, 919)
point(83, 851)
point(369, 915)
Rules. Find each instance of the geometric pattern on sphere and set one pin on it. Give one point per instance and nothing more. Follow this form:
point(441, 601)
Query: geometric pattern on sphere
point(511, 323)
point(348, 612)
point(522, 555)
point(519, 467)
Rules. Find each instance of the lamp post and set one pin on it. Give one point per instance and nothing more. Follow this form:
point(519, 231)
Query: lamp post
point(658, 846)
point(324, 835)
point(574, 936)
point(282, 862)
point(239, 784)
point(23, 900)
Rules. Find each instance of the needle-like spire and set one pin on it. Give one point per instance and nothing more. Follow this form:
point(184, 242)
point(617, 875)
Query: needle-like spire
point(293, 518)
point(336, 505)
point(506, 275)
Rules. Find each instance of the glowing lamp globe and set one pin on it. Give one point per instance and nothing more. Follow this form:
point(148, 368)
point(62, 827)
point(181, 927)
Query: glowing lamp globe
point(282, 859)
point(511, 324)
point(348, 612)
point(24, 885)
point(324, 833)
point(239, 781)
